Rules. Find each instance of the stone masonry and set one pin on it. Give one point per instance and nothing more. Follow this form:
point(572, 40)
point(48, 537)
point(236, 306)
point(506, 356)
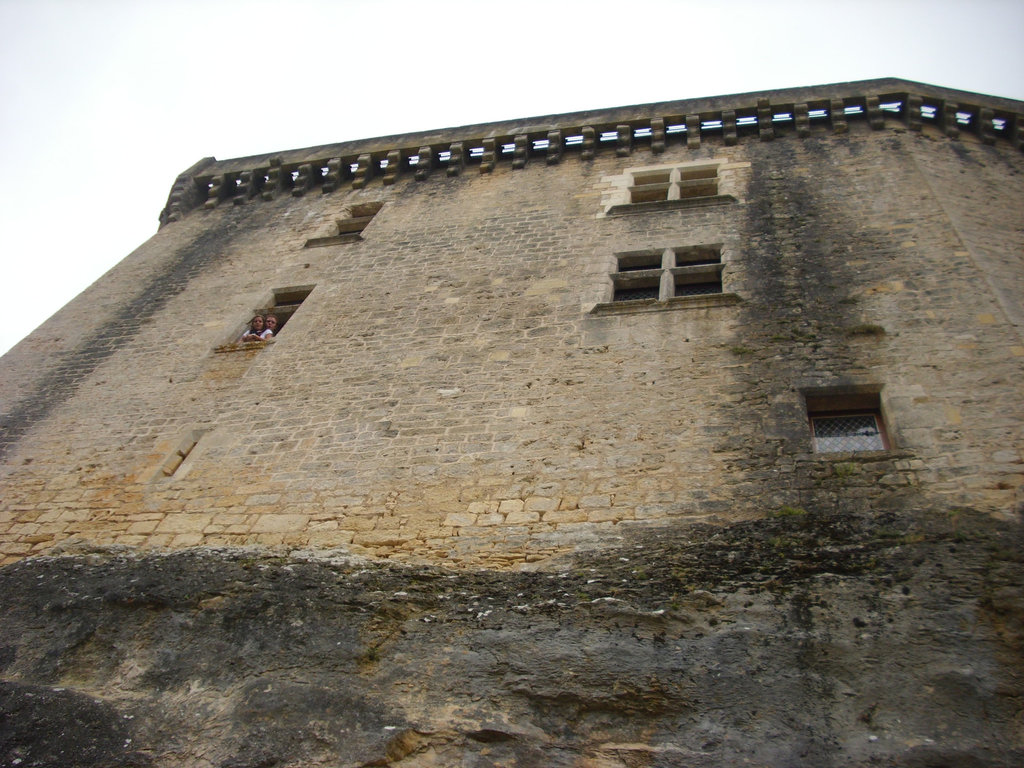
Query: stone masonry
point(458, 385)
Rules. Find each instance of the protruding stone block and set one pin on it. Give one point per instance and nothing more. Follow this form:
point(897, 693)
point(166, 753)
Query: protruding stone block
point(424, 163)
point(364, 171)
point(624, 144)
point(554, 155)
point(333, 178)
point(589, 142)
point(216, 191)
point(802, 120)
point(245, 187)
point(521, 151)
point(764, 120)
point(303, 180)
point(837, 114)
point(394, 167)
point(876, 119)
point(729, 127)
point(913, 112)
point(657, 135)
point(490, 156)
point(949, 123)
point(692, 131)
point(273, 182)
point(456, 159)
point(985, 128)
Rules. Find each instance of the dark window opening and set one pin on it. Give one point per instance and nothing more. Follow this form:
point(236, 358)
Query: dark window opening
point(177, 457)
point(286, 302)
point(632, 262)
point(350, 228)
point(697, 289)
point(698, 255)
point(634, 293)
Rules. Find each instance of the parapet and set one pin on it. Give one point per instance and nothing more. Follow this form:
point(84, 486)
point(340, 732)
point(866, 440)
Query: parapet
point(803, 112)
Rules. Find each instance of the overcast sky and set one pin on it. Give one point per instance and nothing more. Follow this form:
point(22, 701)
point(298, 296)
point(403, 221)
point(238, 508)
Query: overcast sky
point(105, 102)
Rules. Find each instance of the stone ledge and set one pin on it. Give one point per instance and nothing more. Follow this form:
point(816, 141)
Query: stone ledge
point(670, 205)
point(656, 305)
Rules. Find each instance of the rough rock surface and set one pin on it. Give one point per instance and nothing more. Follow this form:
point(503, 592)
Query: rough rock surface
point(802, 639)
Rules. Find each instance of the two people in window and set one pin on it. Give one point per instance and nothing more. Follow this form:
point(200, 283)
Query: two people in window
point(260, 328)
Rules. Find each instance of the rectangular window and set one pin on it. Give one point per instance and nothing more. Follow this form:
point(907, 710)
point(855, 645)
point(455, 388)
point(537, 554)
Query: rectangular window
point(348, 229)
point(286, 301)
point(682, 183)
point(846, 422)
point(176, 458)
point(668, 274)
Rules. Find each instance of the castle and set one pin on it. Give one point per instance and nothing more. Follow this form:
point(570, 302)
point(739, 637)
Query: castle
point(502, 342)
point(682, 434)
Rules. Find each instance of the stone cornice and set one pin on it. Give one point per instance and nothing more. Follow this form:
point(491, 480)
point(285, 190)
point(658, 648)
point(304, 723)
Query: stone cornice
point(551, 138)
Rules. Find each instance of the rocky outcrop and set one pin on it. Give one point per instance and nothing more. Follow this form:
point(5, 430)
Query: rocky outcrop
point(802, 639)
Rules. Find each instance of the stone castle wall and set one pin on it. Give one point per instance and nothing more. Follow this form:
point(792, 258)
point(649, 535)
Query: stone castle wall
point(457, 386)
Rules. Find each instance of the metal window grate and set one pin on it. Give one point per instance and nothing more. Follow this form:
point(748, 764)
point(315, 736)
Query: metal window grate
point(631, 294)
point(856, 432)
point(697, 289)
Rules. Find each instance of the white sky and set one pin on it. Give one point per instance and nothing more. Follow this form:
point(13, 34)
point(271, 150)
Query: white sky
point(104, 102)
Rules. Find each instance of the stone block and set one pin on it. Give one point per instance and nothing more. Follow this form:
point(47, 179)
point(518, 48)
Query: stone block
point(279, 523)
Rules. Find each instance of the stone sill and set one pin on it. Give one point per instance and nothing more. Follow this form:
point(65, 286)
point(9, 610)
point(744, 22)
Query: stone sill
point(864, 457)
point(242, 346)
point(656, 305)
point(320, 242)
point(670, 205)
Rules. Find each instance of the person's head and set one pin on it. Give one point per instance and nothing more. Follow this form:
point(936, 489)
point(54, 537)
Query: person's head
point(271, 323)
point(256, 324)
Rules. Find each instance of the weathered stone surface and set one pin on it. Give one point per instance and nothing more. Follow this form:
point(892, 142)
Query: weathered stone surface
point(459, 390)
point(802, 640)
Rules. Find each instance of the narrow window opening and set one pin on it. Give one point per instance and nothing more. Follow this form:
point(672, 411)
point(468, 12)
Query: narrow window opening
point(687, 288)
point(350, 228)
point(649, 187)
point(846, 422)
point(644, 289)
point(664, 275)
point(675, 128)
point(286, 302)
point(634, 262)
point(177, 457)
point(698, 255)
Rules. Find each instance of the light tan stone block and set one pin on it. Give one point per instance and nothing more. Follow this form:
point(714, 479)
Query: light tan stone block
point(183, 523)
point(279, 523)
point(508, 506)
